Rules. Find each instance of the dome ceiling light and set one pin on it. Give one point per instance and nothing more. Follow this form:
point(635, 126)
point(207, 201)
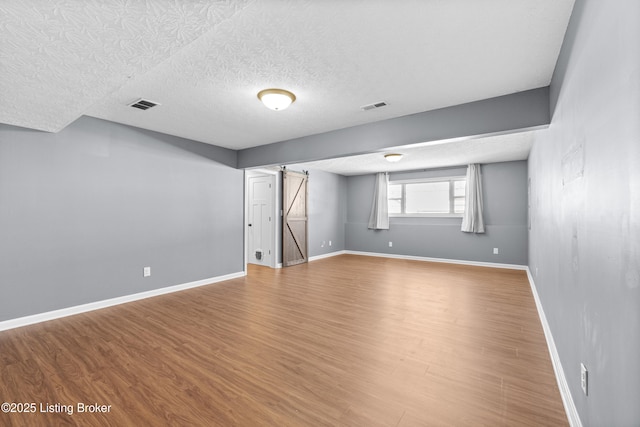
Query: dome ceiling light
point(393, 157)
point(276, 99)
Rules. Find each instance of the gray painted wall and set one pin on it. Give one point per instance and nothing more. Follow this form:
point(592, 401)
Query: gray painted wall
point(327, 212)
point(509, 113)
point(505, 204)
point(84, 210)
point(585, 210)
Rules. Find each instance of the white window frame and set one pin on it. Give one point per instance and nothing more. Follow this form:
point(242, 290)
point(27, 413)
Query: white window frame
point(403, 199)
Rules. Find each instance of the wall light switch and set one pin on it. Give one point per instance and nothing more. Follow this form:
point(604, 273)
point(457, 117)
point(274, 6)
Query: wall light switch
point(146, 272)
point(329, 242)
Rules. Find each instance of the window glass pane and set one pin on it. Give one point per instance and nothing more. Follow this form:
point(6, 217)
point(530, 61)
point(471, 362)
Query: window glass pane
point(458, 205)
point(459, 188)
point(427, 197)
point(394, 191)
point(395, 206)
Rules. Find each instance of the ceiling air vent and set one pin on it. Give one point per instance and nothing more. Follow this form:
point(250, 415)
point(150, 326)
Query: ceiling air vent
point(373, 106)
point(143, 104)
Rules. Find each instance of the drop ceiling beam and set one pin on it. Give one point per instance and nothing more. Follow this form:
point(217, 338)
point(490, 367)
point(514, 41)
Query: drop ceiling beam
point(505, 114)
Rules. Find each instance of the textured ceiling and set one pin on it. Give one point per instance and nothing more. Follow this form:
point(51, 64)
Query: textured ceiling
point(60, 57)
point(205, 61)
point(489, 149)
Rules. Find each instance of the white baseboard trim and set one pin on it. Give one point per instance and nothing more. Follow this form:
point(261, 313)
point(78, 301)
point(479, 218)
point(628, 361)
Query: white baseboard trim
point(64, 312)
point(444, 260)
point(565, 392)
point(329, 255)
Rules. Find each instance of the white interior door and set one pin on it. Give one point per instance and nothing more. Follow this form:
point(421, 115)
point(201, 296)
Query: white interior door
point(260, 220)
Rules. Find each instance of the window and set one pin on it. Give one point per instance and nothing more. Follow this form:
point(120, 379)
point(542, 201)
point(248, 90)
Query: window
point(427, 197)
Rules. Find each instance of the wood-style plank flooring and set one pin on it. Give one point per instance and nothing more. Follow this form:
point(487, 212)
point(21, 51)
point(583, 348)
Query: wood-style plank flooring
point(344, 341)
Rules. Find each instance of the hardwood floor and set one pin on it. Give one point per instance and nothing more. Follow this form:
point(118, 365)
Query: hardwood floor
point(344, 341)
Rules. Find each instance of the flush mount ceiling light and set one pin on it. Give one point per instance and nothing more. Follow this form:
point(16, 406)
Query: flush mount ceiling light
point(393, 157)
point(276, 99)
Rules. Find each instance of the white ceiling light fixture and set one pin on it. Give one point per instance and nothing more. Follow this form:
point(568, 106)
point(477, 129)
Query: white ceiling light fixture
point(393, 157)
point(276, 99)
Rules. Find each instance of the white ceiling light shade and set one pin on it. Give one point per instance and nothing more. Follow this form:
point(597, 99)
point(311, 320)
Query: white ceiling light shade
point(393, 157)
point(276, 99)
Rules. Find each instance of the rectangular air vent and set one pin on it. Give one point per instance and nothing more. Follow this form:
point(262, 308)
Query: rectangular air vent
point(143, 104)
point(373, 106)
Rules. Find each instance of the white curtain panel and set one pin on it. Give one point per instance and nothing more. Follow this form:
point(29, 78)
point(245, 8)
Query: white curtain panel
point(472, 221)
point(379, 218)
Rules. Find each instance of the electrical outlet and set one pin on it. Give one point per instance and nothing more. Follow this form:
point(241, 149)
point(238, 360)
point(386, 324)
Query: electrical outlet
point(329, 242)
point(322, 245)
point(496, 251)
point(584, 379)
point(390, 244)
point(146, 272)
